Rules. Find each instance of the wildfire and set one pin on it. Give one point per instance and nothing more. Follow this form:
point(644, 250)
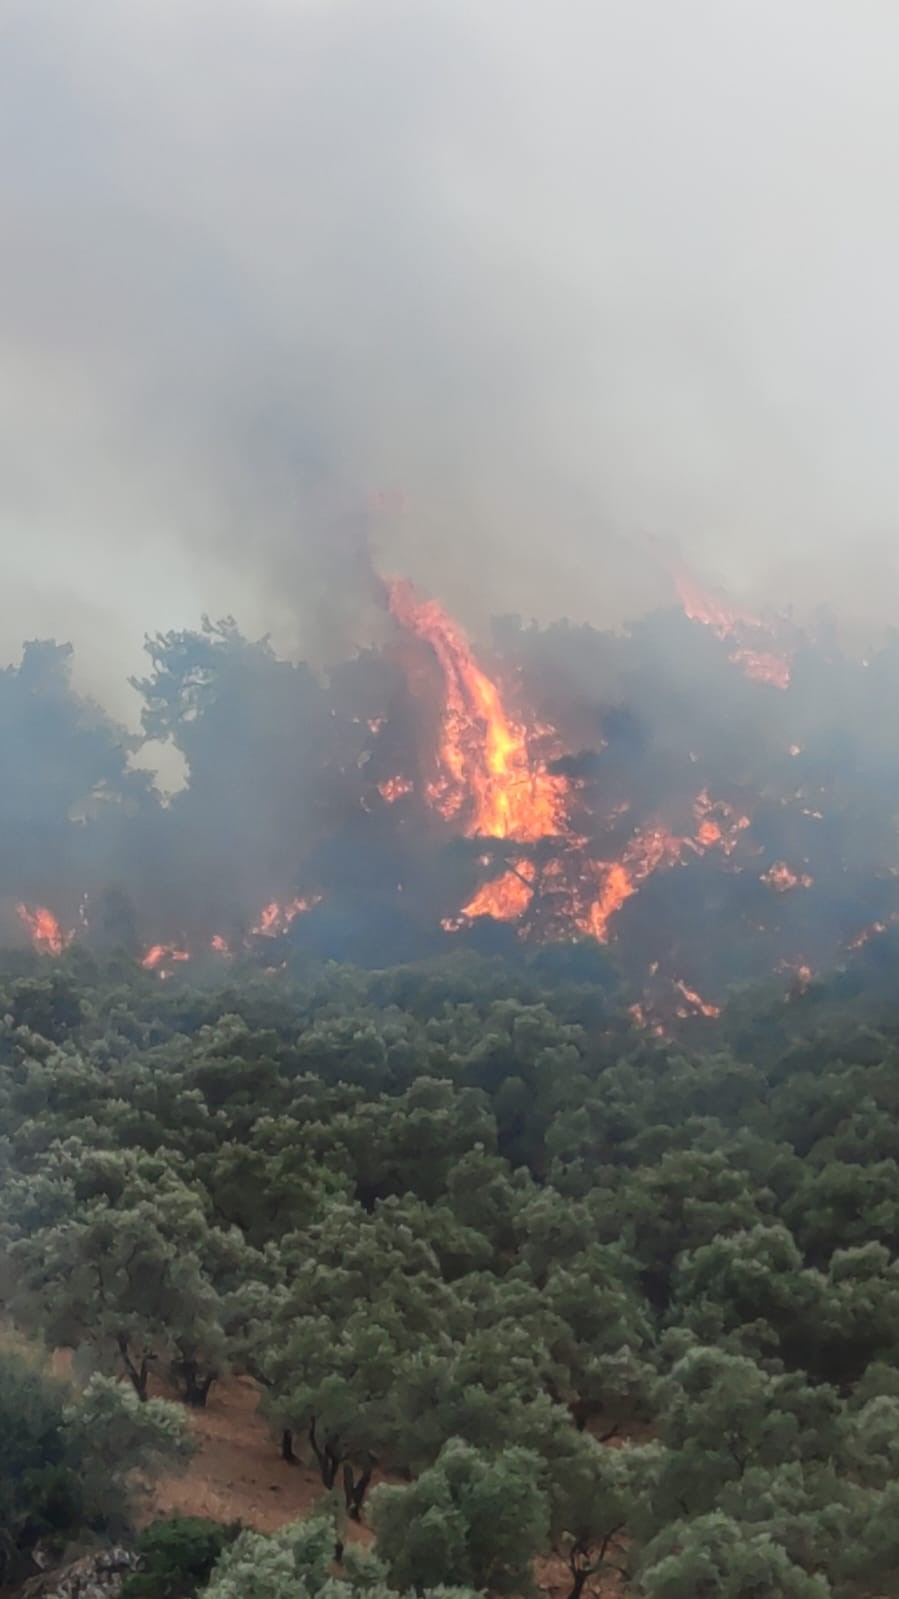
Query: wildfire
point(489, 780)
point(276, 918)
point(801, 975)
point(667, 997)
point(638, 1014)
point(46, 934)
point(765, 665)
point(395, 788)
point(718, 825)
point(782, 878)
point(873, 931)
point(694, 1005)
point(620, 879)
point(485, 772)
point(161, 954)
point(506, 897)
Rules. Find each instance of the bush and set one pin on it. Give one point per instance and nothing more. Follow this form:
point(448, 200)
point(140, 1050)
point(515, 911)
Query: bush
point(470, 1521)
point(40, 1489)
point(177, 1556)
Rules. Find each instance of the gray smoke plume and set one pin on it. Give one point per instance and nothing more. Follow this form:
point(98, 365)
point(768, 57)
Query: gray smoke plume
point(546, 278)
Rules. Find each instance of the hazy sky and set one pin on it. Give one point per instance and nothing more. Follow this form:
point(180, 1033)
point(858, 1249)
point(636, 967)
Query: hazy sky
point(566, 273)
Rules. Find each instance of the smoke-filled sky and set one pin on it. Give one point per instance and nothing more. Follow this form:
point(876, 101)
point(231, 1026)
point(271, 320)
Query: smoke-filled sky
point(566, 273)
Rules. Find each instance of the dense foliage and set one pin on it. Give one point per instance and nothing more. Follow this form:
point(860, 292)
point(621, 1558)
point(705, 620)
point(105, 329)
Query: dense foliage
point(67, 1462)
point(573, 1289)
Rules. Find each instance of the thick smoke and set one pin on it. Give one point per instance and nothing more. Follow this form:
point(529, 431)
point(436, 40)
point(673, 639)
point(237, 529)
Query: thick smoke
point(528, 303)
point(565, 275)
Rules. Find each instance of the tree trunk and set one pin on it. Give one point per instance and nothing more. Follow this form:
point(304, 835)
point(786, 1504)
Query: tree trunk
point(195, 1388)
point(328, 1461)
point(355, 1489)
point(582, 1564)
point(580, 1413)
point(287, 1447)
point(579, 1577)
point(139, 1375)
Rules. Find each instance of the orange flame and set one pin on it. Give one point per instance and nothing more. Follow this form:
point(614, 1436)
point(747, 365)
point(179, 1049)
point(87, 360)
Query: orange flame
point(763, 665)
point(875, 929)
point(46, 933)
point(276, 918)
point(719, 825)
point(697, 1005)
point(158, 954)
point(782, 878)
point(486, 773)
point(506, 897)
point(395, 788)
point(620, 879)
point(801, 974)
point(640, 1018)
point(488, 778)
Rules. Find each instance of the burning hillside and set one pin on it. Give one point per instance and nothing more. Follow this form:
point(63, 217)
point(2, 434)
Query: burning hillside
point(666, 792)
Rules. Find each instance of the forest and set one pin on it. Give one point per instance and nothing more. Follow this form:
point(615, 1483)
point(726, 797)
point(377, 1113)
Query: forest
point(544, 1296)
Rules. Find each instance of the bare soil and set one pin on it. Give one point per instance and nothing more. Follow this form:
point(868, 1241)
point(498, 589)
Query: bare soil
point(237, 1473)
